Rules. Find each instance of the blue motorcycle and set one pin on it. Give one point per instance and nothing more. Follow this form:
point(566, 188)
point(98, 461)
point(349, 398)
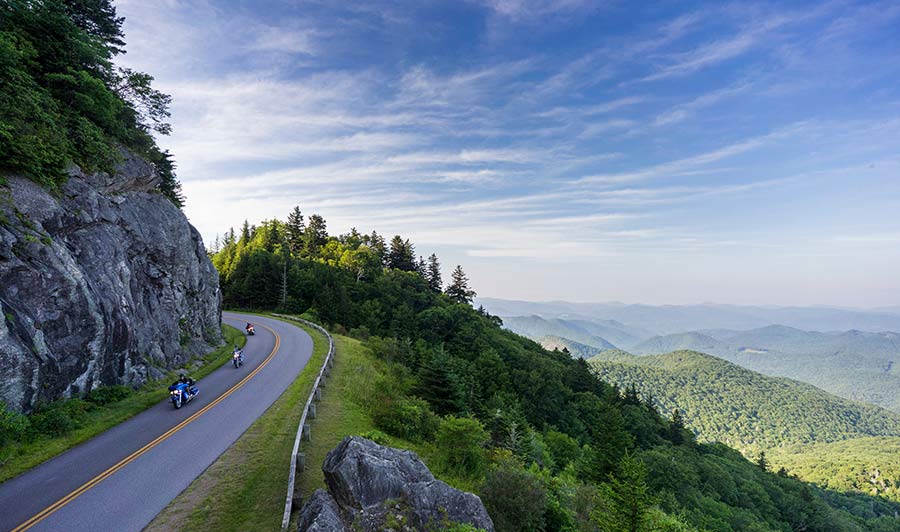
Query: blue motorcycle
point(182, 393)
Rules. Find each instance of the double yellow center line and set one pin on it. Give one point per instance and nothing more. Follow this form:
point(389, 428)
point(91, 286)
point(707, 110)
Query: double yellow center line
point(46, 512)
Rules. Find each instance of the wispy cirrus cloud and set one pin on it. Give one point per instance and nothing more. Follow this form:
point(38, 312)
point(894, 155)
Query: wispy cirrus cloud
point(513, 134)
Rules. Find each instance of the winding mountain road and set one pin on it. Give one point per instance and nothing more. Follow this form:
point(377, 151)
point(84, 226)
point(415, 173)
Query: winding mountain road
point(120, 479)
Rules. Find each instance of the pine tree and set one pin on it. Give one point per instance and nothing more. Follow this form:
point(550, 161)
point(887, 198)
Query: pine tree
point(401, 255)
point(421, 266)
point(630, 498)
point(376, 244)
point(315, 235)
point(433, 274)
point(295, 228)
point(459, 290)
point(245, 233)
point(762, 462)
point(676, 429)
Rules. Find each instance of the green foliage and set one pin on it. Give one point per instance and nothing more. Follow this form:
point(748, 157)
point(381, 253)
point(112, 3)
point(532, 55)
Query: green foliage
point(410, 419)
point(515, 499)
point(628, 497)
point(460, 443)
point(108, 394)
point(13, 425)
point(725, 402)
point(506, 395)
point(61, 99)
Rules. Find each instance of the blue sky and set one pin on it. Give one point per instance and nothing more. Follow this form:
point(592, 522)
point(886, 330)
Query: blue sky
point(656, 152)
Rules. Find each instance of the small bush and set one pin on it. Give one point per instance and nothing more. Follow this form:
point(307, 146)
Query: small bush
point(410, 419)
point(460, 445)
point(59, 417)
point(514, 498)
point(360, 333)
point(55, 422)
point(377, 436)
point(13, 425)
point(108, 394)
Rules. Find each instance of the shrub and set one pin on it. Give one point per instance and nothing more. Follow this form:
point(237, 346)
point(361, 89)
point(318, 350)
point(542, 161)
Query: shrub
point(514, 498)
point(108, 394)
point(376, 436)
point(460, 445)
point(410, 419)
point(13, 425)
point(59, 417)
point(563, 448)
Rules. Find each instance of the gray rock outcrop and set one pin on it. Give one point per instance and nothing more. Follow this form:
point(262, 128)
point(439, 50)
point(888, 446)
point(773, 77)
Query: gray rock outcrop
point(101, 282)
point(370, 485)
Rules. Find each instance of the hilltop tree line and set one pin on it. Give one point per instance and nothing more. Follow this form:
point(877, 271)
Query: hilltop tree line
point(547, 444)
point(278, 264)
point(62, 99)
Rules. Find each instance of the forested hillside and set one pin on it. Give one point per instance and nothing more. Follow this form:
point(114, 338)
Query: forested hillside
point(725, 402)
point(861, 366)
point(546, 444)
point(867, 465)
point(63, 100)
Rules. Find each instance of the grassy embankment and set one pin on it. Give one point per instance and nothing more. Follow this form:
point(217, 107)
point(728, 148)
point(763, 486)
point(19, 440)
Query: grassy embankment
point(17, 457)
point(245, 488)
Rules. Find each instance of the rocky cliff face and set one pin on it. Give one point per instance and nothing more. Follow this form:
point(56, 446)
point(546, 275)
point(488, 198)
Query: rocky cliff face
point(102, 282)
point(373, 488)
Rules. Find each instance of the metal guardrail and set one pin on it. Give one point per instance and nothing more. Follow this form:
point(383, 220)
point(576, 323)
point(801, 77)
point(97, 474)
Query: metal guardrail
point(303, 430)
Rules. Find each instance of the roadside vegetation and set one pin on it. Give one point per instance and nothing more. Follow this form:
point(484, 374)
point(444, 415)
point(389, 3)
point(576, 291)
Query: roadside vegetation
point(245, 488)
point(64, 101)
point(546, 443)
point(28, 440)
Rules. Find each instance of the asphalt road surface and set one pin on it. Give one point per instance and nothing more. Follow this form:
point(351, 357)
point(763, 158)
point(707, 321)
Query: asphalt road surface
point(121, 479)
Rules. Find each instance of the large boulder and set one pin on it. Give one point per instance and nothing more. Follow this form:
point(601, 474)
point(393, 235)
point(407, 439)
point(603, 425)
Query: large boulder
point(102, 282)
point(370, 484)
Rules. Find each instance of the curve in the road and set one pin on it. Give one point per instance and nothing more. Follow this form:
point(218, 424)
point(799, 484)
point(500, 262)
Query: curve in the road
point(114, 496)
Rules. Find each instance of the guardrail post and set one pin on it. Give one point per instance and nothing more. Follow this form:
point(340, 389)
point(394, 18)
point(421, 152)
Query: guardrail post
point(312, 410)
point(318, 394)
point(301, 462)
point(306, 432)
point(322, 381)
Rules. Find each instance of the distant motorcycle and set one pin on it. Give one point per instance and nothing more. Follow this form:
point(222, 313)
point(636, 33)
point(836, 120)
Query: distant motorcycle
point(182, 393)
point(250, 330)
point(237, 359)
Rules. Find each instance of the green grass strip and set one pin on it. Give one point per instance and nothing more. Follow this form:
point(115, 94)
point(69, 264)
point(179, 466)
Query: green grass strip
point(245, 488)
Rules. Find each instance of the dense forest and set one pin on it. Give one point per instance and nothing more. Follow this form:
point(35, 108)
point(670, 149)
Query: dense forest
point(548, 444)
point(63, 100)
point(868, 465)
point(724, 402)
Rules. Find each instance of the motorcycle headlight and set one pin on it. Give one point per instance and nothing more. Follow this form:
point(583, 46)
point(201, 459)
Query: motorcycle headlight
point(174, 392)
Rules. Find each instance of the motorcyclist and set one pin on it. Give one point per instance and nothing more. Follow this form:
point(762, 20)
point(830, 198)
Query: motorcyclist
point(183, 379)
point(239, 352)
point(249, 326)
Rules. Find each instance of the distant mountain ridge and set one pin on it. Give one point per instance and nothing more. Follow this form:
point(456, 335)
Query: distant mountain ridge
point(667, 319)
point(856, 364)
point(725, 402)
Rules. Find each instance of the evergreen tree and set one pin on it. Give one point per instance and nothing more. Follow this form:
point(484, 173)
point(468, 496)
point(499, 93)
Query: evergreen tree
point(459, 290)
point(762, 462)
point(629, 498)
point(315, 235)
point(245, 233)
point(295, 228)
point(676, 429)
point(376, 244)
point(433, 274)
point(401, 255)
point(421, 267)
